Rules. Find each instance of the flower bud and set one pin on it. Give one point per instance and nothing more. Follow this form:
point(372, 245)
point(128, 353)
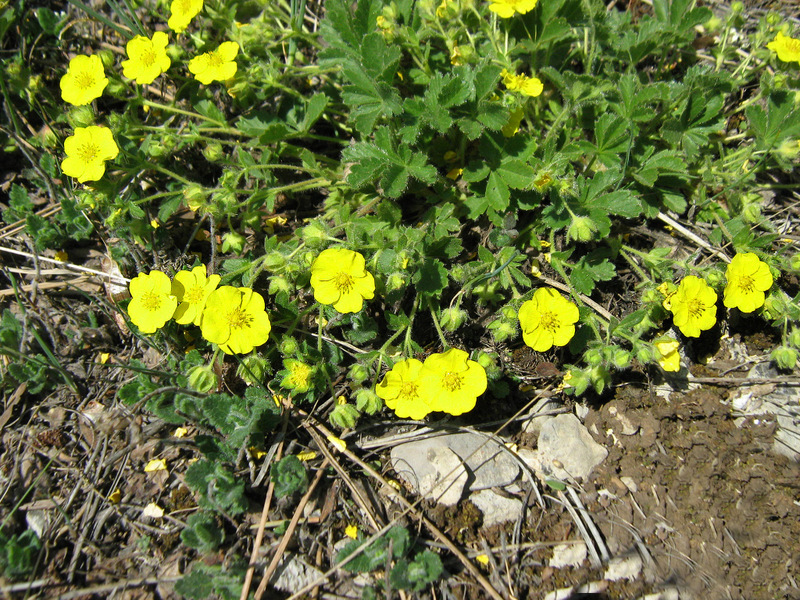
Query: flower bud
point(107, 58)
point(772, 18)
point(784, 357)
point(358, 373)
point(396, 281)
point(600, 378)
point(715, 278)
point(713, 24)
point(288, 345)
point(593, 357)
point(274, 261)
point(576, 381)
point(645, 354)
point(278, 284)
point(253, 369)
point(502, 330)
point(213, 152)
point(195, 196)
point(233, 242)
point(487, 292)
point(582, 229)
point(621, 359)
point(452, 318)
point(737, 7)
point(488, 360)
point(794, 337)
point(794, 262)
point(203, 379)
point(344, 416)
point(367, 401)
point(314, 234)
point(81, 116)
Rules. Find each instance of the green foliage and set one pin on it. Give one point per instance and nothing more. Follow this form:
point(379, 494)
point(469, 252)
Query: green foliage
point(203, 581)
point(217, 487)
point(289, 476)
point(18, 554)
point(202, 533)
point(417, 574)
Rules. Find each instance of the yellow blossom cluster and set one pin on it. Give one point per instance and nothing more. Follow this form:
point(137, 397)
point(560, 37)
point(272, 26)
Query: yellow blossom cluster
point(88, 149)
point(233, 318)
point(694, 303)
point(448, 382)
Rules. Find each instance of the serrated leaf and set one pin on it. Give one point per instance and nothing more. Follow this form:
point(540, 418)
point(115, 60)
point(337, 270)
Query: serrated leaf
point(497, 192)
point(431, 277)
point(516, 174)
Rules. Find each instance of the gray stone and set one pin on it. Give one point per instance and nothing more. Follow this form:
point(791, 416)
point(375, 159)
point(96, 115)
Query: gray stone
point(294, 573)
point(568, 555)
point(429, 466)
point(486, 460)
point(496, 509)
point(623, 567)
point(566, 449)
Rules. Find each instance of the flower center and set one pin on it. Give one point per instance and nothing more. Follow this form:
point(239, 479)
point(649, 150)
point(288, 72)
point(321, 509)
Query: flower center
point(151, 301)
point(695, 308)
point(214, 59)
point(344, 282)
point(194, 295)
point(549, 321)
point(148, 57)
point(88, 152)
point(84, 80)
point(452, 382)
point(299, 375)
point(183, 6)
point(409, 390)
point(793, 45)
point(239, 319)
point(747, 284)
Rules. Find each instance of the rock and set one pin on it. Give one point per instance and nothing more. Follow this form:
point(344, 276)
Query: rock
point(496, 508)
point(487, 460)
point(483, 463)
point(623, 567)
point(539, 415)
point(783, 401)
point(294, 574)
point(566, 449)
point(429, 466)
point(568, 555)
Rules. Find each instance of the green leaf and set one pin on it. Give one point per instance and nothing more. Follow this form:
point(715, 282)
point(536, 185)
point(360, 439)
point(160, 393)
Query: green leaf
point(218, 488)
point(664, 162)
point(314, 109)
point(210, 110)
point(394, 544)
point(202, 532)
point(393, 167)
point(198, 584)
point(779, 121)
point(431, 277)
point(289, 476)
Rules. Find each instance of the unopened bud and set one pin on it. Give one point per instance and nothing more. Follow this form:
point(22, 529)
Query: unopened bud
point(367, 401)
point(344, 416)
point(202, 379)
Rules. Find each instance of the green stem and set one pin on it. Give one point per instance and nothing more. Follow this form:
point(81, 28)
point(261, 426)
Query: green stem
point(436, 324)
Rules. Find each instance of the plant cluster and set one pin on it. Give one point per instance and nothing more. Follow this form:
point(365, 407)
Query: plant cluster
point(379, 211)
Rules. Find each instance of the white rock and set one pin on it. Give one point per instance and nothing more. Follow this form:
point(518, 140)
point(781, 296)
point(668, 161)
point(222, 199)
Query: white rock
point(434, 470)
point(486, 460)
point(623, 567)
point(568, 555)
point(294, 574)
point(566, 449)
point(496, 508)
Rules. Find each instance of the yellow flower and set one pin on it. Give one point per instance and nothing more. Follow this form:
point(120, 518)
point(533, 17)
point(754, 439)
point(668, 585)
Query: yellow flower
point(451, 382)
point(548, 319)
point(507, 8)
point(87, 150)
point(235, 320)
point(147, 58)
point(192, 289)
point(298, 376)
point(351, 531)
point(339, 277)
point(787, 49)
point(693, 306)
point(400, 389)
point(670, 359)
point(84, 80)
point(217, 65)
point(530, 86)
point(152, 303)
point(748, 279)
point(514, 120)
point(182, 12)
